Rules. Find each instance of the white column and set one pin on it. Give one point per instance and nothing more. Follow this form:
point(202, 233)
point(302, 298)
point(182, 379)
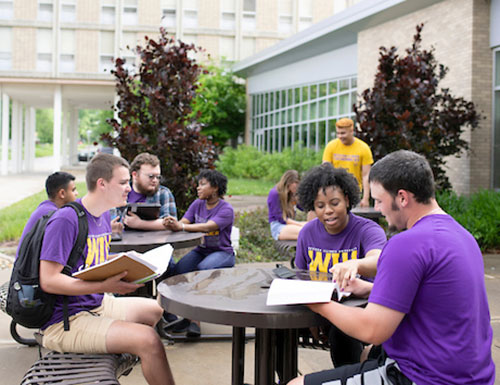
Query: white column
point(16, 137)
point(26, 139)
point(73, 136)
point(31, 112)
point(57, 128)
point(5, 134)
point(64, 141)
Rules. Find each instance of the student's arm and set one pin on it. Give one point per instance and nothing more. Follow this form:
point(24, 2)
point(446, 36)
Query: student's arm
point(290, 221)
point(373, 324)
point(173, 224)
point(365, 172)
point(52, 280)
point(135, 222)
point(346, 271)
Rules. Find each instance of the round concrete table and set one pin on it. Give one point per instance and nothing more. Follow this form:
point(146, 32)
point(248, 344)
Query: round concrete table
point(237, 297)
point(143, 241)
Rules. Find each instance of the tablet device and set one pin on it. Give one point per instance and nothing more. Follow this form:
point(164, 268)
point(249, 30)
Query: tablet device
point(146, 211)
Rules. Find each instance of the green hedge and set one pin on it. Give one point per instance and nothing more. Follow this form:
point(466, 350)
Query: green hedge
point(248, 162)
point(478, 213)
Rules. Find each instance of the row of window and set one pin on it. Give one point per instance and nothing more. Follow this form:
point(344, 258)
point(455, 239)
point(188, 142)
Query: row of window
point(305, 114)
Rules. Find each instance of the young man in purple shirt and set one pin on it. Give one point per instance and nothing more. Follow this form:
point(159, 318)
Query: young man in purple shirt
point(428, 305)
point(146, 176)
point(98, 323)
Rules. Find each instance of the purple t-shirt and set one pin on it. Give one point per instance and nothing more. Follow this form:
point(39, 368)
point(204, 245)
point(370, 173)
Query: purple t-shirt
point(223, 215)
point(274, 206)
point(434, 273)
point(318, 250)
point(43, 208)
point(135, 197)
point(60, 236)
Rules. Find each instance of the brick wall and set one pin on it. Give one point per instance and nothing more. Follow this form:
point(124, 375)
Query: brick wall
point(267, 15)
point(87, 51)
point(25, 9)
point(148, 12)
point(23, 49)
point(322, 9)
point(458, 31)
point(209, 14)
point(88, 11)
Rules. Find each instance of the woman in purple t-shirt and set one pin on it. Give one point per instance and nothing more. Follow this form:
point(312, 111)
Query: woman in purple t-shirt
point(281, 205)
point(212, 215)
point(337, 237)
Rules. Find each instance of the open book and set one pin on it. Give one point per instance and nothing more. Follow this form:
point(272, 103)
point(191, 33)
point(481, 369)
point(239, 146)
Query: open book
point(140, 267)
point(294, 291)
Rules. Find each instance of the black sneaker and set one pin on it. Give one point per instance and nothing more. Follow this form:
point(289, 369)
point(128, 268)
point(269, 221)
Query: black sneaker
point(181, 326)
point(193, 330)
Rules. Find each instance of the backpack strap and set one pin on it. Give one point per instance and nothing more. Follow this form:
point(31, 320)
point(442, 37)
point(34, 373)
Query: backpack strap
point(76, 251)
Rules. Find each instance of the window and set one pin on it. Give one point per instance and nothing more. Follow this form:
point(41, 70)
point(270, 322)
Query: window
point(247, 47)
point(168, 18)
point(305, 14)
point(228, 17)
point(68, 11)
point(285, 10)
point(106, 51)
point(190, 14)
point(496, 120)
point(67, 56)
point(249, 14)
point(226, 48)
point(5, 48)
point(44, 50)
point(45, 10)
point(107, 11)
point(127, 49)
point(6, 9)
point(301, 115)
point(129, 12)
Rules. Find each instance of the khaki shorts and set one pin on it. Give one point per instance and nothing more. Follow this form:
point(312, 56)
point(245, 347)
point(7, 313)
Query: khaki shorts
point(87, 332)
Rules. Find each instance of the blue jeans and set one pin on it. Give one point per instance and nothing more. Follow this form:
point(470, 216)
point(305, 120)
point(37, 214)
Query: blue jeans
point(195, 260)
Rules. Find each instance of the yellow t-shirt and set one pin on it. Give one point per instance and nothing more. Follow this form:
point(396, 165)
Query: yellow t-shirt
point(352, 157)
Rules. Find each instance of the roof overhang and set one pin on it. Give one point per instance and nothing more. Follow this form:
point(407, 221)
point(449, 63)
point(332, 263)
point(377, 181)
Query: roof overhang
point(330, 34)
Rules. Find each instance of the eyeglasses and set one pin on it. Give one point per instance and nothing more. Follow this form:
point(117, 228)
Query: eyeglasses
point(154, 176)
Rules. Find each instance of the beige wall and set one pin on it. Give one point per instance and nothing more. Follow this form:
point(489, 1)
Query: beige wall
point(148, 12)
point(88, 11)
point(457, 37)
point(87, 51)
point(322, 9)
point(263, 43)
point(211, 44)
point(24, 49)
point(209, 14)
point(25, 9)
point(267, 15)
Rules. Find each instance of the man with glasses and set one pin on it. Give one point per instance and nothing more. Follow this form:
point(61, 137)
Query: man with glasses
point(146, 176)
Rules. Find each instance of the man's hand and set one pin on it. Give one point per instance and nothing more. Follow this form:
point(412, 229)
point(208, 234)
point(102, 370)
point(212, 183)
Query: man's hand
point(345, 272)
point(171, 223)
point(132, 220)
point(116, 225)
point(115, 284)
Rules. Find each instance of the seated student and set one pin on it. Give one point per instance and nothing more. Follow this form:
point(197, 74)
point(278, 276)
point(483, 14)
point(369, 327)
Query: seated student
point(210, 214)
point(337, 236)
point(146, 175)
point(428, 305)
point(61, 189)
point(281, 205)
point(98, 323)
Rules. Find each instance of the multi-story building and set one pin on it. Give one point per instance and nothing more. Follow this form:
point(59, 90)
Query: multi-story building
point(299, 87)
point(58, 53)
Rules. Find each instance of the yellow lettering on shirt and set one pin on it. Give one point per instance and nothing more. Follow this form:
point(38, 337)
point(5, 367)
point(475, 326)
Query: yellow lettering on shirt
point(318, 262)
point(323, 260)
point(97, 249)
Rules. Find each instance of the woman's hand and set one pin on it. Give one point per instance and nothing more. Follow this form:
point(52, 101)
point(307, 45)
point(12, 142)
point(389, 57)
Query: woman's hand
point(345, 272)
point(170, 223)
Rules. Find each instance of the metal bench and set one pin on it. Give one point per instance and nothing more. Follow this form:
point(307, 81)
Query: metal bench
point(72, 368)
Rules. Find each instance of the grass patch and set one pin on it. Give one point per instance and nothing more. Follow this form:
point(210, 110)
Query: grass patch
point(14, 217)
point(44, 149)
point(240, 186)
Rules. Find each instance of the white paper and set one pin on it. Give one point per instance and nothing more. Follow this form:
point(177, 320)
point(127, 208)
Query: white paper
point(292, 292)
point(159, 257)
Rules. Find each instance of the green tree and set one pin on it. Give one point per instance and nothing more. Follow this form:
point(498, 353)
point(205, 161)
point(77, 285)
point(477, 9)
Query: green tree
point(220, 105)
point(405, 109)
point(45, 125)
point(94, 121)
point(154, 108)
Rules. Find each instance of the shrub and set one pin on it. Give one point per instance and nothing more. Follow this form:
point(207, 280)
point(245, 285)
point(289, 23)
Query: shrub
point(248, 162)
point(479, 214)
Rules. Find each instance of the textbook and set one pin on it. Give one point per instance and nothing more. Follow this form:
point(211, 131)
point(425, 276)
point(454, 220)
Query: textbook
point(140, 267)
point(294, 292)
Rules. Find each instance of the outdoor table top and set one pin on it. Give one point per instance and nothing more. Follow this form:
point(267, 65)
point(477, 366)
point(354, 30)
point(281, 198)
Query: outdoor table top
point(367, 212)
point(143, 241)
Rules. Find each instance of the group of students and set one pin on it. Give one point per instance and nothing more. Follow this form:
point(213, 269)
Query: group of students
point(427, 320)
point(98, 321)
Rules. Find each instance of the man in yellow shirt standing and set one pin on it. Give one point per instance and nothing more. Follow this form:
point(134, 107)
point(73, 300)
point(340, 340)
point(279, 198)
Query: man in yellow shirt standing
point(350, 153)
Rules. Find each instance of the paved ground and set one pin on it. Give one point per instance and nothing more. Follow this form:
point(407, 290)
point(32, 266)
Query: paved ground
point(206, 363)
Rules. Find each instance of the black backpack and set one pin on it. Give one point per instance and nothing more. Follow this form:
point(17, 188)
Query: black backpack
point(27, 303)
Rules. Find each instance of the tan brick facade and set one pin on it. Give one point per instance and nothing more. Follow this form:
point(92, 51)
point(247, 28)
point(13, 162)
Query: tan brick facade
point(88, 11)
point(25, 9)
point(87, 51)
point(148, 12)
point(24, 49)
point(322, 9)
point(458, 30)
point(267, 15)
point(209, 14)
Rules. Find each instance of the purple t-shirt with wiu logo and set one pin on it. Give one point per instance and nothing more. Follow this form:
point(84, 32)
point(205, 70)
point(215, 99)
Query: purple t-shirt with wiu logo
point(60, 236)
point(318, 250)
point(223, 215)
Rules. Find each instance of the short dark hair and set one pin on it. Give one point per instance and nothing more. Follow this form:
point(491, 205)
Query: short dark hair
point(56, 181)
point(102, 166)
point(323, 176)
point(405, 170)
point(216, 179)
point(144, 158)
